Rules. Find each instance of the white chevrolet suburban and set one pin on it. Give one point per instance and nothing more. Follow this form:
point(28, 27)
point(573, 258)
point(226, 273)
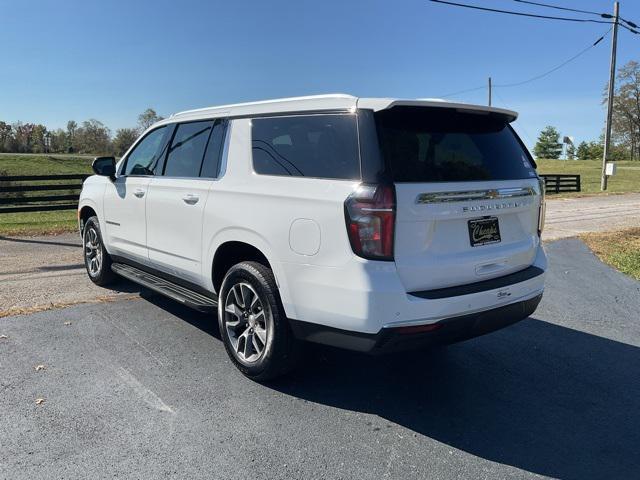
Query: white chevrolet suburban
point(370, 224)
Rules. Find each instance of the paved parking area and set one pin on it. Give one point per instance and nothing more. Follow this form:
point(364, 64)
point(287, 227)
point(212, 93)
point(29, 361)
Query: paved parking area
point(143, 389)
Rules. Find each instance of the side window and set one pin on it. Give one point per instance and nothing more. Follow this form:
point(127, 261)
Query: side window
point(213, 153)
point(187, 149)
point(145, 157)
point(320, 146)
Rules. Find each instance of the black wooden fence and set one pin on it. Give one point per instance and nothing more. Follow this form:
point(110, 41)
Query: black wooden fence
point(561, 183)
point(30, 193)
point(17, 192)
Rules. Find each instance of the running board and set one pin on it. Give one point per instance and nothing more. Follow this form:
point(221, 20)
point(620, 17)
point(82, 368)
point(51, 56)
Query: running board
point(165, 287)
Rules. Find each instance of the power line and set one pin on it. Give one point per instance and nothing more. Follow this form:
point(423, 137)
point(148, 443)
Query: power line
point(629, 28)
point(631, 24)
point(556, 7)
point(588, 12)
point(549, 72)
point(520, 122)
point(469, 90)
point(537, 77)
point(521, 14)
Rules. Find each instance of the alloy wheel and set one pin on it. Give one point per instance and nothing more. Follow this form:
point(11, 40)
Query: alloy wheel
point(245, 322)
point(93, 251)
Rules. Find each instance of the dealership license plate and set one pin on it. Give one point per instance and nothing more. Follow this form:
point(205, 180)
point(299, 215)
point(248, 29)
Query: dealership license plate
point(484, 231)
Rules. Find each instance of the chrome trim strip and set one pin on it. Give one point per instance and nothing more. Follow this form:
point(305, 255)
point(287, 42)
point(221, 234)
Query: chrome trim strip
point(490, 194)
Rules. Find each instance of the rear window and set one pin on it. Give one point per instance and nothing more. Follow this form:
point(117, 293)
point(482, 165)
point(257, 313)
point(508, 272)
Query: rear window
point(319, 146)
point(445, 145)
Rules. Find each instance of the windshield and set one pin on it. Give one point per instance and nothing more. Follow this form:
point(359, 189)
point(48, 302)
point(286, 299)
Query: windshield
point(422, 144)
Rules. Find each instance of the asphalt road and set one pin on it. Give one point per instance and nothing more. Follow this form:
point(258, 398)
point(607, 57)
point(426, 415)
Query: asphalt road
point(143, 389)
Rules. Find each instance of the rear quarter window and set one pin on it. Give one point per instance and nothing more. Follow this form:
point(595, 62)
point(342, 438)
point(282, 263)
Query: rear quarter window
point(318, 146)
point(421, 144)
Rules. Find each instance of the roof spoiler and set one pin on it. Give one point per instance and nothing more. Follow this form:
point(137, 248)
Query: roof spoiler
point(377, 104)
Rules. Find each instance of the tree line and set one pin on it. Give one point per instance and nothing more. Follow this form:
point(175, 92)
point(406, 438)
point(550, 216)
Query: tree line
point(88, 137)
point(549, 146)
point(625, 125)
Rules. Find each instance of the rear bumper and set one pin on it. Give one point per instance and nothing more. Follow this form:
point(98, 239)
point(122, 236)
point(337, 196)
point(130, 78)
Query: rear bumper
point(394, 339)
point(367, 296)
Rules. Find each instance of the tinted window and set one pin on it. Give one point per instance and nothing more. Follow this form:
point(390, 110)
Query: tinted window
point(436, 144)
point(321, 146)
point(213, 153)
point(187, 149)
point(145, 157)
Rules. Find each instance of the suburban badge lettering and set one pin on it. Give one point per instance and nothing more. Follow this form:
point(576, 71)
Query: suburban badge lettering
point(493, 206)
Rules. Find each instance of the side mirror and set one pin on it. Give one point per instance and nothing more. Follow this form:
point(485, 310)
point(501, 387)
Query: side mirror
point(105, 167)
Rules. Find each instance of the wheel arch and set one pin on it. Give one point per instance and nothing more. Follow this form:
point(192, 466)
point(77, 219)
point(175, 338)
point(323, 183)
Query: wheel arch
point(229, 254)
point(85, 212)
point(232, 246)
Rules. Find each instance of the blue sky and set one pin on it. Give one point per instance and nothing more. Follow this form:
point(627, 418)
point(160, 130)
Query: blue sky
point(112, 59)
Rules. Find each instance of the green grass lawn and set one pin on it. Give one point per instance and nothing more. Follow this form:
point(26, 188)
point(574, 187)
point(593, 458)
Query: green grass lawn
point(38, 223)
point(34, 223)
point(627, 179)
point(28, 164)
point(619, 249)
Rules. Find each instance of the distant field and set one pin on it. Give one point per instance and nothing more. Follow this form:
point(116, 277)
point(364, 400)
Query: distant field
point(44, 164)
point(34, 223)
point(627, 178)
point(38, 223)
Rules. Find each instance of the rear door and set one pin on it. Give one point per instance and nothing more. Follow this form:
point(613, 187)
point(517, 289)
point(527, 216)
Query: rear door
point(467, 195)
point(177, 199)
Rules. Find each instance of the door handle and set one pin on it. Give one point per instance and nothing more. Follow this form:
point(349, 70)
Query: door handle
point(190, 199)
point(138, 192)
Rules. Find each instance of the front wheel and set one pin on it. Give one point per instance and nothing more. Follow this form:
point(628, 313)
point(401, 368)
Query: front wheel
point(96, 259)
point(253, 326)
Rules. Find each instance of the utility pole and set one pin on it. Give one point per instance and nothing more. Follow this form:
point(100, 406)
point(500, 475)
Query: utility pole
point(612, 80)
point(489, 91)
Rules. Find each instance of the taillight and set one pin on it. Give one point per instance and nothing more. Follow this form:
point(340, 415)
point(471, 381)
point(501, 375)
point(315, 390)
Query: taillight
point(543, 207)
point(370, 214)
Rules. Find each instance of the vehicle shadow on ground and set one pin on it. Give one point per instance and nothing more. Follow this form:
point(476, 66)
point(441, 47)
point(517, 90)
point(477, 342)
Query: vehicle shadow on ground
point(537, 396)
point(540, 397)
point(42, 242)
point(208, 323)
point(122, 285)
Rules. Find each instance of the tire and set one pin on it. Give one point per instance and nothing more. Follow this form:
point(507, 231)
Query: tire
point(96, 259)
point(255, 333)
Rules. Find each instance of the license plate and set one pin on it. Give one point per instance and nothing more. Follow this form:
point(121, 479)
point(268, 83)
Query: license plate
point(483, 231)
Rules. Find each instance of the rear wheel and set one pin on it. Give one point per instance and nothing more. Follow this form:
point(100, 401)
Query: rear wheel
point(96, 259)
point(253, 326)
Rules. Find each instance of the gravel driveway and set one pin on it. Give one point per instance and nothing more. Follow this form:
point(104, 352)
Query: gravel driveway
point(143, 389)
point(569, 217)
point(37, 273)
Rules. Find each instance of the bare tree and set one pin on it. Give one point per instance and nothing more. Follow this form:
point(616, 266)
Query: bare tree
point(94, 137)
point(148, 118)
point(626, 110)
point(72, 127)
point(124, 139)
